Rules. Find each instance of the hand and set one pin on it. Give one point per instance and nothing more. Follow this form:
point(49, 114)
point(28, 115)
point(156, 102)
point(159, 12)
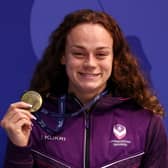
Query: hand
point(17, 123)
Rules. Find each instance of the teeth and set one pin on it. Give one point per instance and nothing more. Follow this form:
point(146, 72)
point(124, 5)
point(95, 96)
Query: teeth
point(89, 74)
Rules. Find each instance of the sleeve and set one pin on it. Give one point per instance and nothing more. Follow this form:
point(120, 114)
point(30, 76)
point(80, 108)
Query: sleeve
point(18, 157)
point(156, 149)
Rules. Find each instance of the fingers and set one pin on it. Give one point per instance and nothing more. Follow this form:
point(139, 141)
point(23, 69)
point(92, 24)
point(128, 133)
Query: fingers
point(20, 104)
point(17, 123)
point(19, 114)
point(22, 125)
point(16, 112)
point(19, 132)
point(20, 107)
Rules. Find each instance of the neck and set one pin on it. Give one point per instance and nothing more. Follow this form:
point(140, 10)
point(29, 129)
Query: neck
point(86, 97)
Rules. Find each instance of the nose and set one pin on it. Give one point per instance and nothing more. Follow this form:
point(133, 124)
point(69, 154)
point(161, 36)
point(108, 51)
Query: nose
point(90, 60)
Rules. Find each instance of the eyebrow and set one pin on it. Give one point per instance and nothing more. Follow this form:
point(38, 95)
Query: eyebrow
point(98, 48)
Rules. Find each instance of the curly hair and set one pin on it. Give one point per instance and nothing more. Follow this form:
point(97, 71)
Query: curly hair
point(127, 78)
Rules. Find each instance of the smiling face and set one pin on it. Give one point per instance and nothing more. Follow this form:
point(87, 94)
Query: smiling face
point(88, 59)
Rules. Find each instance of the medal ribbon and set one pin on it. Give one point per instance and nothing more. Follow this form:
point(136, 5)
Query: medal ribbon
point(61, 115)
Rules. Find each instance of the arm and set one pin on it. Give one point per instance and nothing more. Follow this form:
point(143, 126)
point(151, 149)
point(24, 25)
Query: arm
point(156, 150)
point(18, 157)
point(18, 125)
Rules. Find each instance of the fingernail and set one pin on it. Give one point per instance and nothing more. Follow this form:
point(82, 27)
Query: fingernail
point(30, 105)
point(30, 128)
point(33, 117)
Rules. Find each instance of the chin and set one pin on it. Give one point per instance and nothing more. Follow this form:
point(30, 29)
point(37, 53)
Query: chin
point(90, 89)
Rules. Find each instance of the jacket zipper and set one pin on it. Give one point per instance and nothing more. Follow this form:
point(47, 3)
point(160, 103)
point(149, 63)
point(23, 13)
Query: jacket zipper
point(87, 140)
point(86, 154)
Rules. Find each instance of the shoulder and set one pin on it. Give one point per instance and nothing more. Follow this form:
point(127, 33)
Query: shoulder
point(125, 106)
point(129, 111)
point(156, 147)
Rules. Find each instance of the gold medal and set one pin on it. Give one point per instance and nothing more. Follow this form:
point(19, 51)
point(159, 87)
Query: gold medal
point(33, 98)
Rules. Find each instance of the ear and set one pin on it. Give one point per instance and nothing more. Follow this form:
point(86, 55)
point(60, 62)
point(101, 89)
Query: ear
point(63, 60)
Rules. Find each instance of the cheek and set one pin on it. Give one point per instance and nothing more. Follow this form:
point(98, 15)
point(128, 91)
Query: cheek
point(72, 64)
point(108, 71)
point(108, 67)
point(71, 67)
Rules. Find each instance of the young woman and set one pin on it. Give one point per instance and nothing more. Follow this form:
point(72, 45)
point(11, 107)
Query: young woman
point(98, 109)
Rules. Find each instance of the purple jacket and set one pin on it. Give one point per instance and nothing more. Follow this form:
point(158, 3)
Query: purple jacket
point(115, 133)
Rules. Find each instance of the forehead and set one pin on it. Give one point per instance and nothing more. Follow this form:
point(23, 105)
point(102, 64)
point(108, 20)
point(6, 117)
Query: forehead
point(89, 33)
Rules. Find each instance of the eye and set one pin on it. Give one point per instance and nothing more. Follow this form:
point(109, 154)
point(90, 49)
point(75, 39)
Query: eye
point(78, 54)
point(102, 55)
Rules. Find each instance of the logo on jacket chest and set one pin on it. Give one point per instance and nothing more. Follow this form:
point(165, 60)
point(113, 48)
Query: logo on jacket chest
point(120, 132)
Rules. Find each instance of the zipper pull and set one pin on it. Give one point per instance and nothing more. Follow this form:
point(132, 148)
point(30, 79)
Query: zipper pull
point(87, 121)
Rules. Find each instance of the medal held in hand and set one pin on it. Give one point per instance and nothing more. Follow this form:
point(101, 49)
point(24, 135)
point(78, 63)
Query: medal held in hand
point(33, 98)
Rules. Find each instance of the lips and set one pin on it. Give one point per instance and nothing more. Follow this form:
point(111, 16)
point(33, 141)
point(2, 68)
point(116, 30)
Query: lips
point(89, 75)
